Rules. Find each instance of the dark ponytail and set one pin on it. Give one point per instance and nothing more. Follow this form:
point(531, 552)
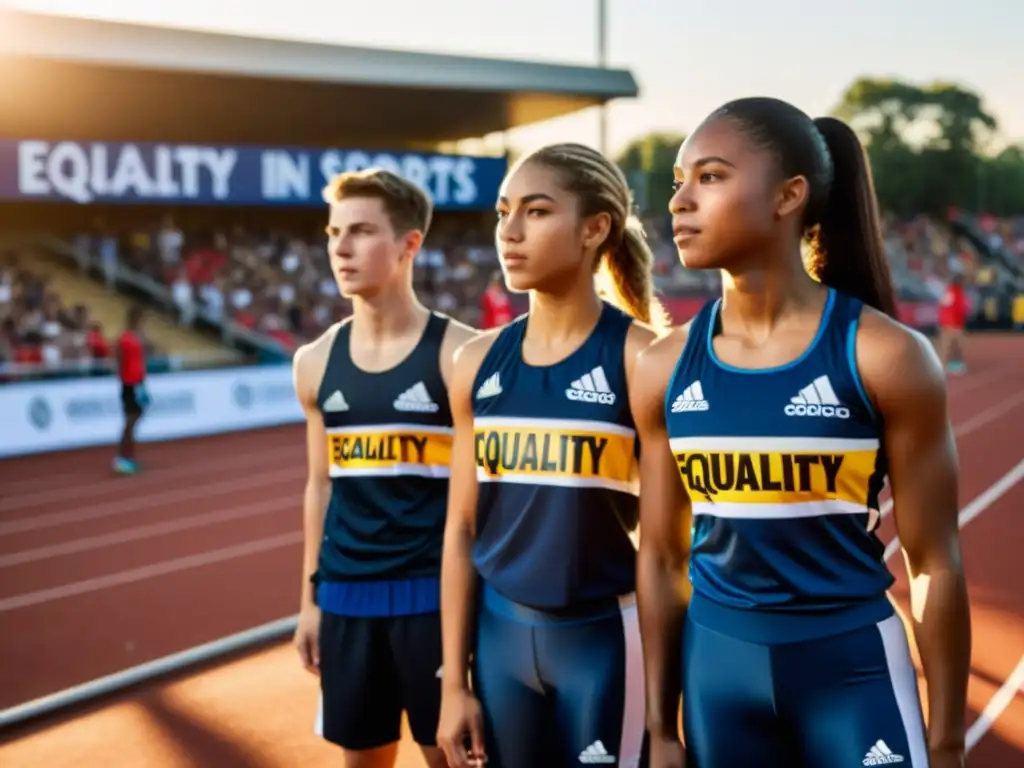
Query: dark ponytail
point(841, 220)
point(847, 249)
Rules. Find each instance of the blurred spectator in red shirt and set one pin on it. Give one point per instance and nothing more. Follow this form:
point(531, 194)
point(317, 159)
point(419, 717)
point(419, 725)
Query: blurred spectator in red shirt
point(496, 309)
point(99, 347)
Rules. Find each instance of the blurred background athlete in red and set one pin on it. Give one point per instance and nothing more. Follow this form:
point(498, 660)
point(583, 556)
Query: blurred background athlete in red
point(131, 368)
point(953, 312)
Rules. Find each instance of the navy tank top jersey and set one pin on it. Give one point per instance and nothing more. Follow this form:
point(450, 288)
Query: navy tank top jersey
point(556, 463)
point(389, 437)
point(783, 467)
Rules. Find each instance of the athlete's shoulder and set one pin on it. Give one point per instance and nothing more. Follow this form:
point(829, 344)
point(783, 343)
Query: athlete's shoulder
point(664, 350)
point(881, 336)
point(320, 346)
point(895, 360)
point(457, 333)
point(466, 362)
point(310, 361)
point(654, 367)
point(473, 351)
point(641, 335)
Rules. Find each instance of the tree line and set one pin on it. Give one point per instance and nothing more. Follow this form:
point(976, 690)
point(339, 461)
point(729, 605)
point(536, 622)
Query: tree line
point(931, 147)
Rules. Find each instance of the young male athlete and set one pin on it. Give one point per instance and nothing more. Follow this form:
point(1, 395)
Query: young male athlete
point(543, 496)
point(773, 419)
point(131, 371)
point(379, 431)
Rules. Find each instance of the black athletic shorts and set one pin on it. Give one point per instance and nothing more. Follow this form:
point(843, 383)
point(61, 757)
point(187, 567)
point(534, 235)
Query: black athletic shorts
point(371, 669)
point(130, 400)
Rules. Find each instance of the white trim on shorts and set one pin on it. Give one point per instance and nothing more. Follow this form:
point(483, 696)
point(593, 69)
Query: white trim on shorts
point(634, 723)
point(903, 677)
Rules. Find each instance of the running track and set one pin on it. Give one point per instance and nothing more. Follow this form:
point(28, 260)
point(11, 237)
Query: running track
point(98, 574)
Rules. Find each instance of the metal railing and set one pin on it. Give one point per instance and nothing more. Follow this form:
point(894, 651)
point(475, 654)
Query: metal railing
point(248, 640)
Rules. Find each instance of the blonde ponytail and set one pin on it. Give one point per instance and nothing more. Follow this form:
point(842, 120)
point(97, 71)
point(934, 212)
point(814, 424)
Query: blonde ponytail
point(623, 269)
point(626, 277)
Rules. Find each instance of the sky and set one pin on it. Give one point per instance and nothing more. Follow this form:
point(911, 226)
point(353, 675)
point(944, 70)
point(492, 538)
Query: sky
point(688, 57)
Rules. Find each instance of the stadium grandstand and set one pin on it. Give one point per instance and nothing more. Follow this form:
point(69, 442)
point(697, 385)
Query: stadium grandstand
point(196, 185)
point(196, 188)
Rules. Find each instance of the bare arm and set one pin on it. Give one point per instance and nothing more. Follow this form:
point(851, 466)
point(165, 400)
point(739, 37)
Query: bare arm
point(455, 337)
point(906, 382)
point(458, 576)
point(662, 592)
point(307, 370)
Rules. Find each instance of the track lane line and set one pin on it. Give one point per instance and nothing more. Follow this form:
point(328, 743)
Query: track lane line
point(129, 535)
point(170, 455)
point(972, 424)
point(164, 568)
point(1002, 698)
point(996, 706)
point(983, 501)
point(153, 501)
point(57, 493)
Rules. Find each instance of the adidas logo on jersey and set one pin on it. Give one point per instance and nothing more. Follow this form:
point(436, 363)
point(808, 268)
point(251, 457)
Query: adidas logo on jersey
point(416, 399)
point(490, 388)
point(880, 754)
point(596, 753)
point(692, 399)
point(817, 399)
point(591, 388)
point(335, 403)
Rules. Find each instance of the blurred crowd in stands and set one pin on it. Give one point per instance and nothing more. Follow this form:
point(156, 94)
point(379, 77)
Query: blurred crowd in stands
point(279, 285)
point(38, 327)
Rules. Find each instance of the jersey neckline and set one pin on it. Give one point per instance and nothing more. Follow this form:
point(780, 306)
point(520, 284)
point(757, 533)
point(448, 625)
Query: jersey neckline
point(823, 322)
point(605, 308)
point(405, 358)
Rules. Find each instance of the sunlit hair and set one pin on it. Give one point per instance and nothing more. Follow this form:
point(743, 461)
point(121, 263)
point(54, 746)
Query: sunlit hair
point(408, 207)
point(624, 266)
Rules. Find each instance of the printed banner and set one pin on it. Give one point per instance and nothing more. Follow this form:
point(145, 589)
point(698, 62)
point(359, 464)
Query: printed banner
point(39, 417)
point(108, 172)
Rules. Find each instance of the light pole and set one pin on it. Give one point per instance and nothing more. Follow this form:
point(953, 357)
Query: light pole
point(602, 61)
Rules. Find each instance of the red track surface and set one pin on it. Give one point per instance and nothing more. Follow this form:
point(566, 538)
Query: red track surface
point(98, 574)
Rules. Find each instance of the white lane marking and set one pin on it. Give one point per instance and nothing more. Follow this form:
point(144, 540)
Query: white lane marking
point(996, 706)
point(164, 568)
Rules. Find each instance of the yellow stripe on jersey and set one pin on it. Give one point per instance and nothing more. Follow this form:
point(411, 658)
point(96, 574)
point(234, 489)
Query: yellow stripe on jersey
point(574, 454)
point(389, 450)
point(776, 477)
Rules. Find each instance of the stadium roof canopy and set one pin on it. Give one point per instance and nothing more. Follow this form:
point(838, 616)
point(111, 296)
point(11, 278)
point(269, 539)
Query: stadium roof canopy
point(69, 78)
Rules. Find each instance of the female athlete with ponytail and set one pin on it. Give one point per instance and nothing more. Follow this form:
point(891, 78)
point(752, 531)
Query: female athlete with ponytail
point(538, 572)
point(773, 419)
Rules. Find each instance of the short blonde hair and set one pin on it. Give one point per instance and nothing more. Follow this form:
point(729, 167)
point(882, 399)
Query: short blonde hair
point(408, 207)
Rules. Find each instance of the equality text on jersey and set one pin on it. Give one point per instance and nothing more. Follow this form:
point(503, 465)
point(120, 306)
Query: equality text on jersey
point(712, 473)
point(388, 448)
point(549, 451)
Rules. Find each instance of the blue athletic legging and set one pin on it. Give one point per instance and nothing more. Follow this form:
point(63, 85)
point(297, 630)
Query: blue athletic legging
point(848, 700)
point(559, 689)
